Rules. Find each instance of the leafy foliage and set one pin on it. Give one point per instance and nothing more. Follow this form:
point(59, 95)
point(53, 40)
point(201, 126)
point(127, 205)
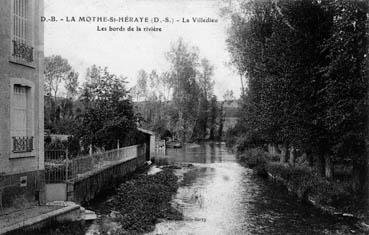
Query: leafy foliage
point(180, 100)
point(108, 114)
point(141, 201)
point(307, 78)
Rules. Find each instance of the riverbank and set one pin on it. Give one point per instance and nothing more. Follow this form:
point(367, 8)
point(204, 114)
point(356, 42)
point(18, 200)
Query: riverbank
point(134, 207)
point(332, 197)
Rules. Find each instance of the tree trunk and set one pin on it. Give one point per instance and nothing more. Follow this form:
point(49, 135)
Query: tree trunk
point(292, 156)
point(310, 159)
point(359, 177)
point(328, 166)
point(272, 149)
point(284, 154)
point(321, 165)
point(242, 86)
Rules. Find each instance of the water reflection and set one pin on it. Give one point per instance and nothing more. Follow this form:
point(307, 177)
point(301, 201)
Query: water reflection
point(203, 153)
point(218, 196)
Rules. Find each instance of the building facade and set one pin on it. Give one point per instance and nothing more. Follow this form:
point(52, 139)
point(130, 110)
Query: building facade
point(21, 101)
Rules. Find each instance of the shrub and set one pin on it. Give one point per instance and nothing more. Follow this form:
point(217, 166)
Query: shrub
point(255, 158)
point(72, 144)
point(141, 201)
point(306, 182)
point(249, 141)
point(56, 144)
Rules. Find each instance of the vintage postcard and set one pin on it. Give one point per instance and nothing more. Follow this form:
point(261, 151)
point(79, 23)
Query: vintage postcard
point(184, 117)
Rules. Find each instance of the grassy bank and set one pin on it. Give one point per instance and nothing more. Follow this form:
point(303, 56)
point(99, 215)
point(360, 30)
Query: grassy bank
point(305, 182)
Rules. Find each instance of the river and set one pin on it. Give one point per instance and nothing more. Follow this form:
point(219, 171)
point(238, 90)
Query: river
point(219, 196)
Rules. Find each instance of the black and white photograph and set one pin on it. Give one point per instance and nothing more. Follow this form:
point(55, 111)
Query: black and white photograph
point(189, 117)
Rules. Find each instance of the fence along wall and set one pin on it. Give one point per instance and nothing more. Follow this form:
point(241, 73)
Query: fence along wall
point(86, 176)
point(59, 168)
point(86, 188)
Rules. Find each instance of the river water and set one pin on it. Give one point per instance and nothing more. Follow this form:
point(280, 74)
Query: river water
point(219, 196)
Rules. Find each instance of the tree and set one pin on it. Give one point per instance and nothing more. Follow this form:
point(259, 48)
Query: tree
point(213, 116)
point(142, 85)
point(305, 62)
point(109, 115)
point(184, 63)
point(206, 86)
point(154, 79)
point(228, 96)
point(346, 85)
point(57, 70)
point(166, 85)
point(179, 99)
point(221, 121)
point(71, 84)
point(58, 111)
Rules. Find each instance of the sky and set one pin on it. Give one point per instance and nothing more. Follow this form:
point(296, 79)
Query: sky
point(125, 53)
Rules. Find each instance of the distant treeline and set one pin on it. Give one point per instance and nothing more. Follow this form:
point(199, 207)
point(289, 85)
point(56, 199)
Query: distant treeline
point(102, 110)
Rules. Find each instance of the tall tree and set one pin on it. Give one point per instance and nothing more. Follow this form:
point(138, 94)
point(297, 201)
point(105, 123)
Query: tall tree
point(306, 66)
point(206, 85)
point(71, 84)
point(142, 84)
point(214, 111)
point(166, 85)
point(57, 70)
point(346, 85)
point(184, 63)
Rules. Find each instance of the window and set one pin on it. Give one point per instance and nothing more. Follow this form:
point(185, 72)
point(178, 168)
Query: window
point(22, 140)
point(20, 110)
point(22, 30)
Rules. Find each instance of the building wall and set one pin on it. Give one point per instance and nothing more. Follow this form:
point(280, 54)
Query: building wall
point(14, 71)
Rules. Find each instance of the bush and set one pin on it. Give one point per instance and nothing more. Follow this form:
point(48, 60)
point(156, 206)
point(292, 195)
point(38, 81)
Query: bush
point(249, 141)
point(255, 158)
point(306, 182)
point(56, 144)
point(141, 201)
point(72, 144)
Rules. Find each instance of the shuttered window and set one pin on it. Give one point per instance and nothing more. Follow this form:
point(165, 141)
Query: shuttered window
point(20, 111)
point(21, 133)
point(22, 30)
point(21, 26)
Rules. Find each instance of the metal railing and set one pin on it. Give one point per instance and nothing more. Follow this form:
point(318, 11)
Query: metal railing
point(56, 155)
point(22, 144)
point(23, 51)
point(59, 168)
point(56, 166)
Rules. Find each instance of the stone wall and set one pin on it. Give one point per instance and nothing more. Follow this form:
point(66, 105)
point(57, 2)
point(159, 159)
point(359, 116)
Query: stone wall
point(23, 189)
point(88, 187)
